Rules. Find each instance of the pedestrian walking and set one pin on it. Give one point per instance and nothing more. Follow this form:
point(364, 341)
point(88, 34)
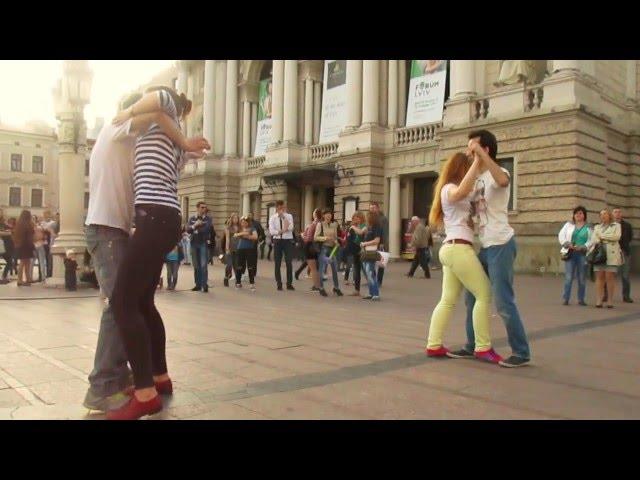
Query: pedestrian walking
point(421, 241)
point(575, 238)
point(200, 227)
point(247, 252)
point(327, 233)
point(281, 229)
point(23, 235)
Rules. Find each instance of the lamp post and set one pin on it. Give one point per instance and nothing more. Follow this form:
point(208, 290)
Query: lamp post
point(71, 94)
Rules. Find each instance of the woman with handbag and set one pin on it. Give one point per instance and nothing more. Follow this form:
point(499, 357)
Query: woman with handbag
point(327, 233)
point(606, 236)
point(575, 237)
point(369, 255)
point(355, 235)
point(311, 250)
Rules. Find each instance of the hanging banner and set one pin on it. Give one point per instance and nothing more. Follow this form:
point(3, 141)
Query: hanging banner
point(426, 91)
point(334, 100)
point(263, 131)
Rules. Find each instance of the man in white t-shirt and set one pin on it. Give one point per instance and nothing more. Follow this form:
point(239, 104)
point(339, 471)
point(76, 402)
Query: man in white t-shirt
point(498, 252)
point(109, 221)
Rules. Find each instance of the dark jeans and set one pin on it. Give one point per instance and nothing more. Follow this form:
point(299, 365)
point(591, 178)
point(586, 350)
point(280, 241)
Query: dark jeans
point(575, 267)
point(247, 258)
point(497, 261)
point(302, 266)
point(110, 372)
point(200, 258)
point(421, 258)
point(47, 250)
point(140, 323)
point(172, 273)
point(380, 272)
point(624, 270)
point(280, 248)
point(357, 270)
point(11, 266)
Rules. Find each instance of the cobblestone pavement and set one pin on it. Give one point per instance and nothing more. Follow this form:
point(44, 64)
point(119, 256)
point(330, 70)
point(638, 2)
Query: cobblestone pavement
point(234, 354)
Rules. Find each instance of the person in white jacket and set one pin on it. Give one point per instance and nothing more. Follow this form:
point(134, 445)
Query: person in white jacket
point(576, 238)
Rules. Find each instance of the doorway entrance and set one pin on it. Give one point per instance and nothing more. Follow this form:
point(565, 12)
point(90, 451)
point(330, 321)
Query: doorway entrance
point(423, 195)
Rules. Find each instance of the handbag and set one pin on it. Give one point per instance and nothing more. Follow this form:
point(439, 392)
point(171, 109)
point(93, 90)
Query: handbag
point(367, 255)
point(316, 247)
point(565, 254)
point(597, 255)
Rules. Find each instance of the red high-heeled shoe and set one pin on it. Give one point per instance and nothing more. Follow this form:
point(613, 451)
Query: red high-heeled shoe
point(136, 409)
point(163, 388)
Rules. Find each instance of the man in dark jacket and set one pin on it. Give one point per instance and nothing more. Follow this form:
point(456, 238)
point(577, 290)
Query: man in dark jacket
point(625, 241)
point(261, 235)
point(199, 227)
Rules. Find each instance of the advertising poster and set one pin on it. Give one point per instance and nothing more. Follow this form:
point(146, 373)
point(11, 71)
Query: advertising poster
point(263, 132)
point(426, 92)
point(334, 100)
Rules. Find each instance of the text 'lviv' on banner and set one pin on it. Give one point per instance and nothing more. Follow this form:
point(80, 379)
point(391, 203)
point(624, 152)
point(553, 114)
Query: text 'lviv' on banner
point(426, 91)
point(334, 100)
point(265, 101)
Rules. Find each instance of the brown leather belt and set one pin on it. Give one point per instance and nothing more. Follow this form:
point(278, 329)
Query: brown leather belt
point(459, 240)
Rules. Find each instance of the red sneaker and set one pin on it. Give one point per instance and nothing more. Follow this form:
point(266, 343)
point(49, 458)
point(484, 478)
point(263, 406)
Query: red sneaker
point(163, 388)
point(488, 356)
point(437, 352)
point(136, 409)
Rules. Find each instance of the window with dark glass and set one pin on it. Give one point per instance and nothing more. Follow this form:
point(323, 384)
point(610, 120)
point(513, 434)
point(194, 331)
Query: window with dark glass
point(36, 197)
point(16, 162)
point(15, 196)
point(36, 164)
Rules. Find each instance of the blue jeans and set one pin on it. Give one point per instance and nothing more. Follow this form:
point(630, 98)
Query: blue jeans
point(575, 267)
point(110, 372)
point(200, 258)
point(324, 260)
point(186, 247)
point(372, 278)
point(624, 269)
point(497, 262)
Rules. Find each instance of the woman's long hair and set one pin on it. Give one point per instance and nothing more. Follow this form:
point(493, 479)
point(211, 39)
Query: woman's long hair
point(230, 222)
point(453, 171)
point(182, 103)
point(23, 231)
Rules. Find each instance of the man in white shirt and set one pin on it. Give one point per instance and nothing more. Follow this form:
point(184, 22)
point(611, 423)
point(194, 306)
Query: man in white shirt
point(498, 251)
point(281, 229)
point(109, 222)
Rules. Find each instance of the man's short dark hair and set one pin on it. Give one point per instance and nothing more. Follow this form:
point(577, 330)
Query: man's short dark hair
point(579, 208)
point(279, 203)
point(375, 204)
point(130, 100)
point(487, 140)
point(200, 203)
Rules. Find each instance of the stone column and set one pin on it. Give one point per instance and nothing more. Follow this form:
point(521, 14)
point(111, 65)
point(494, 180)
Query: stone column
point(208, 107)
point(277, 107)
point(254, 127)
point(392, 92)
point(317, 111)
point(354, 94)
point(290, 132)
point(370, 92)
point(183, 77)
point(246, 203)
point(246, 129)
point(394, 217)
point(231, 110)
point(402, 92)
point(308, 111)
point(219, 107)
point(463, 78)
point(308, 204)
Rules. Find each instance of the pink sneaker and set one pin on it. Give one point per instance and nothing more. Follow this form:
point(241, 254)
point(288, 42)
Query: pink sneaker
point(488, 356)
point(437, 352)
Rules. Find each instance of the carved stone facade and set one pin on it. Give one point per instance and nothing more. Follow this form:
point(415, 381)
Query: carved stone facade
point(571, 139)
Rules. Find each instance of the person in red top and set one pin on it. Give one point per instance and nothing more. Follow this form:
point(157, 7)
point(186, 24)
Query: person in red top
point(311, 251)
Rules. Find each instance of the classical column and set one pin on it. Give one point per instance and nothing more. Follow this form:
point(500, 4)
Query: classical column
point(246, 203)
point(246, 129)
point(394, 217)
point(208, 107)
point(277, 107)
point(308, 204)
point(254, 127)
point(402, 92)
point(183, 77)
point(392, 92)
point(370, 92)
point(463, 78)
point(290, 133)
point(308, 111)
point(354, 93)
point(317, 111)
point(231, 110)
point(219, 107)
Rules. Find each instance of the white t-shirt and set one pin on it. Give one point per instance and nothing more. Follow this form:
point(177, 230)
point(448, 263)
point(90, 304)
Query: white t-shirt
point(111, 177)
point(491, 202)
point(457, 216)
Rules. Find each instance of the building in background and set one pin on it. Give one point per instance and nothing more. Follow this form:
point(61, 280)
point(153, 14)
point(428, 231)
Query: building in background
point(567, 130)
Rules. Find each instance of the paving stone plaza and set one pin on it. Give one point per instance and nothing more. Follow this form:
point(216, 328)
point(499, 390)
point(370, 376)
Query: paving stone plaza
point(236, 354)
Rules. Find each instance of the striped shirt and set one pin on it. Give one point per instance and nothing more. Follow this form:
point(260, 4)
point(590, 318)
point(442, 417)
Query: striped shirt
point(155, 174)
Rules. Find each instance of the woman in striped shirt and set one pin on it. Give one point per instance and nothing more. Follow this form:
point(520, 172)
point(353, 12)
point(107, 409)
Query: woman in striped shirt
point(158, 221)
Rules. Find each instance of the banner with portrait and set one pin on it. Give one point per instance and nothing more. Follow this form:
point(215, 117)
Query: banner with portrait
point(334, 100)
point(426, 92)
point(263, 131)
